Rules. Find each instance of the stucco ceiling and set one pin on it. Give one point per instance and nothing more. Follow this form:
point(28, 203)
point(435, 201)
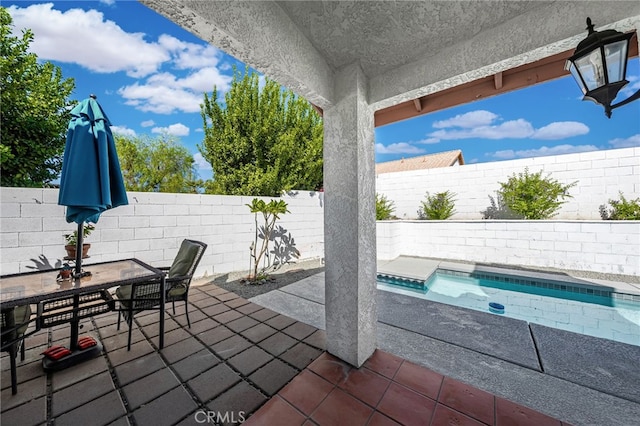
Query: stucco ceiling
point(407, 50)
point(385, 35)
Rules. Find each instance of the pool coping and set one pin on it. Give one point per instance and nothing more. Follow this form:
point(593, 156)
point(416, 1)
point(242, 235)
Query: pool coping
point(422, 268)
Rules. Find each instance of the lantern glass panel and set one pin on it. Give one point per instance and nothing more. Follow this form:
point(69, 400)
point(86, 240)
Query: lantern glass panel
point(616, 56)
point(591, 69)
point(576, 76)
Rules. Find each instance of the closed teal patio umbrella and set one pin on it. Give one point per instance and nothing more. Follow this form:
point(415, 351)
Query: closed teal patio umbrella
point(91, 180)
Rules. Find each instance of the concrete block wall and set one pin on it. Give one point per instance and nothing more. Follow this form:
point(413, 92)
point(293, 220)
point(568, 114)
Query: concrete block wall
point(600, 246)
point(600, 175)
point(150, 228)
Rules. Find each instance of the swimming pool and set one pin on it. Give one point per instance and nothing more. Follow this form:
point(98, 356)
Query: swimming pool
point(585, 309)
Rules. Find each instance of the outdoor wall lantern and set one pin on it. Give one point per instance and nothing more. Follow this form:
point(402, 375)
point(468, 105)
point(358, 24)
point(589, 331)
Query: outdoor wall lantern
point(599, 66)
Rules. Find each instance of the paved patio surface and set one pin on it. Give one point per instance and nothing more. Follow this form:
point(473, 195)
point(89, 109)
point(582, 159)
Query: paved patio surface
point(576, 378)
point(241, 361)
point(235, 356)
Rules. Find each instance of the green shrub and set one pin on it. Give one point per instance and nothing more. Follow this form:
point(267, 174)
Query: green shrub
point(439, 206)
point(384, 208)
point(533, 196)
point(621, 209)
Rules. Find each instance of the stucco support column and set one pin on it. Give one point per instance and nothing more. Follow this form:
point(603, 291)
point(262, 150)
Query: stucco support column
point(349, 220)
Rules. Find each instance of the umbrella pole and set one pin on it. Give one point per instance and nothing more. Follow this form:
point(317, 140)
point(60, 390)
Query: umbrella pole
point(79, 243)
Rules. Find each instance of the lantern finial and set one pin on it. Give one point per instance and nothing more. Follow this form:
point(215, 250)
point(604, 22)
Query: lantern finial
point(590, 26)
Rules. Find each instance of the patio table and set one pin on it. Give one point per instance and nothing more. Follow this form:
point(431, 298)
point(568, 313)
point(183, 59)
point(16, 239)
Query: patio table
point(68, 301)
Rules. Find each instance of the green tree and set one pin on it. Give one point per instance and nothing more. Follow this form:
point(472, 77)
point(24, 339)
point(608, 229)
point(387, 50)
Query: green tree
point(156, 165)
point(533, 196)
point(262, 141)
point(440, 206)
point(34, 112)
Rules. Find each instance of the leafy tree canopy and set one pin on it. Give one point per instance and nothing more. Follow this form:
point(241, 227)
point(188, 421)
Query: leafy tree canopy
point(156, 165)
point(34, 112)
point(262, 141)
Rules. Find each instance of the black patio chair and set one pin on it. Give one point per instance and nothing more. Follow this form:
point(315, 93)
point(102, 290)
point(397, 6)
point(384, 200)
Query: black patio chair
point(145, 296)
point(14, 325)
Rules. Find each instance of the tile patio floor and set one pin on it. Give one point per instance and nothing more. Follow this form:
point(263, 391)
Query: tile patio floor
point(237, 361)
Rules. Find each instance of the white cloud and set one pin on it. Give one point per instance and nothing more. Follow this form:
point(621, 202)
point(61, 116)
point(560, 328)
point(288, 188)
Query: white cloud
point(85, 38)
point(467, 120)
point(164, 93)
point(190, 55)
point(124, 131)
point(147, 123)
point(204, 79)
point(480, 124)
point(629, 142)
point(542, 151)
point(398, 148)
point(561, 130)
point(177, 129)
point(160, 98)
point(428, 141)
point(107, 2)
point(201, 163)
point(516, 129)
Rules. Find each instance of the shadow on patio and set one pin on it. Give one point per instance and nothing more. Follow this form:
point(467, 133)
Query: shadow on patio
point(236, 358)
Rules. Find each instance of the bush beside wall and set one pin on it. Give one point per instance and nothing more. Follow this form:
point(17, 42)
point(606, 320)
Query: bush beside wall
point(601, 175)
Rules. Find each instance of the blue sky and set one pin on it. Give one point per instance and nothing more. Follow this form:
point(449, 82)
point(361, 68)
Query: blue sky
point(150, 76)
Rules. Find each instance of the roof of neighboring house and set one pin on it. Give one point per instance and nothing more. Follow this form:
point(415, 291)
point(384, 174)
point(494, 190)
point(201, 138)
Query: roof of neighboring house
point(431, 161)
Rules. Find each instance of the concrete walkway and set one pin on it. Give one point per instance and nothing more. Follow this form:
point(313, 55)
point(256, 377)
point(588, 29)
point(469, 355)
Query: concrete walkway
point(578, 379)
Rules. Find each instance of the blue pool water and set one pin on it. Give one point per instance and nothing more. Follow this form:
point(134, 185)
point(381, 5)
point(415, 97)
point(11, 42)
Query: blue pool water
point(587, 310)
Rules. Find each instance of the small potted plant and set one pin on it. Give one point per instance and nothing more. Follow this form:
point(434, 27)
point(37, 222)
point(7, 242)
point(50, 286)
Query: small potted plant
point(65, 272)
point(72, 241)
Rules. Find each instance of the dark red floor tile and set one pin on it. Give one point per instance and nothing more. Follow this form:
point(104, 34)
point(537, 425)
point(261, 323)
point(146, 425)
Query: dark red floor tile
point(340, 408)
point(445, 416)
point(330, 368)
point(365, 385)
point(381, 420)
point(306, 391)
point(420, 379)
point(406, 406)
point(383, 363)
point(471, 401)
point(276, 412)
point(509, 413)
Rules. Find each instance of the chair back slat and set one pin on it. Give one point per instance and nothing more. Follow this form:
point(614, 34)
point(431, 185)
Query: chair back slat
point(186, 263)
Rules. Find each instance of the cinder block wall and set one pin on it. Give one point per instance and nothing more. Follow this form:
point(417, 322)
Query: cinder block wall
point(600, 246)
point(151, 228)
point(600, 176)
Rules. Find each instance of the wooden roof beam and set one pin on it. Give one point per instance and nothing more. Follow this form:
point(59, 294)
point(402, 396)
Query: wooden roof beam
point(497, 80)
point(526, 75)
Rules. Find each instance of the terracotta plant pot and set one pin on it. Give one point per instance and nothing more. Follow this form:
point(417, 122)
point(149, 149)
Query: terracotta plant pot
point(71, 250)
